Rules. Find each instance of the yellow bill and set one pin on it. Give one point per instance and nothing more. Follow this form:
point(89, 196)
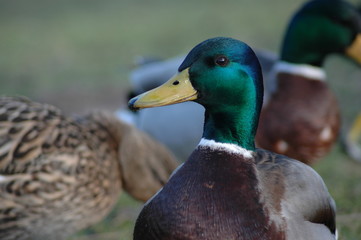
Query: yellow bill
point(354, 51)
point(176, 90)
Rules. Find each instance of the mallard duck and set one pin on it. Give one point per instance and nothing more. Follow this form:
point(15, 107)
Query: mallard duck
point(228, 189)
point(60, 174)
point(301, 119)
point(166, 122)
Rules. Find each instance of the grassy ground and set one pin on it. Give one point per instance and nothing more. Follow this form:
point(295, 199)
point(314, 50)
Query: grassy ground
point(77, 55)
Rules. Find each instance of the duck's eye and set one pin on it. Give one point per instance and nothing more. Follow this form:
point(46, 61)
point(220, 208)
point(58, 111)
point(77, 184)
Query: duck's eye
point(221, 61)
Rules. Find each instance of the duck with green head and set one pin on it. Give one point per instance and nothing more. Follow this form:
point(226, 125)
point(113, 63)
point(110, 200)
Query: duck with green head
point(301, 118)
point(228, 189)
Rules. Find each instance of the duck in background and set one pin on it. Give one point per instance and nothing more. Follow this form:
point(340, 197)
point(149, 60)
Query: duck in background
point(301, 121)
point(228, 189)
point(59, 174)
point(301, 118)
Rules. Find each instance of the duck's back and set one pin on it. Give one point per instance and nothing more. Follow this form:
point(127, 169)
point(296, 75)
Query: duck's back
point(212, 196)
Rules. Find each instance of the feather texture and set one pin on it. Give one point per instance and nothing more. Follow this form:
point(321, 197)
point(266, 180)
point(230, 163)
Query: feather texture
point(61, 174)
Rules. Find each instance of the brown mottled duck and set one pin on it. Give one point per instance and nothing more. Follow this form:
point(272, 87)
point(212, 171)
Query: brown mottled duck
point(60, 174)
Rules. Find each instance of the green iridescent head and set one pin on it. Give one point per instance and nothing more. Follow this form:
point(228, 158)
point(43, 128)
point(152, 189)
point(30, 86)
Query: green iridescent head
point(222, 70)
point(223, 75)
point(320, 28)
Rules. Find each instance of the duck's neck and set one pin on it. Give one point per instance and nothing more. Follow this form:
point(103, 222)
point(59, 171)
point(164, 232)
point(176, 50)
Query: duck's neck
point(235, 127)
point(232, 112)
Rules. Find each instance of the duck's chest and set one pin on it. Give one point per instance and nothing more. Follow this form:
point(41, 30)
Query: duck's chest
point(301, 120)
point(213, 196)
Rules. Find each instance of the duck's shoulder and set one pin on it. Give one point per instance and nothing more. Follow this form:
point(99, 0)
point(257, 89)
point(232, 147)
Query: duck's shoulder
point(295, 189)
point(294, 175)
point(276, 166)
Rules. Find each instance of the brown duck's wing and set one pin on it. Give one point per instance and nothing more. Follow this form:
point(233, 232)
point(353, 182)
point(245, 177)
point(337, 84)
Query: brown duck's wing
point(296, 192)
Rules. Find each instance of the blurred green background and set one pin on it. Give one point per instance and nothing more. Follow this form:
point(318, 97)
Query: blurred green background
point(77, 55)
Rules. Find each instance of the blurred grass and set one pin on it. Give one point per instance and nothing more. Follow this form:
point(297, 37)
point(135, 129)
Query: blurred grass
point(77, 55)
point(51, 45)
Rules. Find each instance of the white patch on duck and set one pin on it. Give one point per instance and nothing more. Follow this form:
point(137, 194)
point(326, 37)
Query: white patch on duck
point(126, 116)
point(326, 134)
point(305, 70)
point(281, 146)
point(228, 147)
point(3, 178)
point(336, 235)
